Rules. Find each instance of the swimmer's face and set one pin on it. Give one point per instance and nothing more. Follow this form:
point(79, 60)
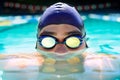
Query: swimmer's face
point(60, 32)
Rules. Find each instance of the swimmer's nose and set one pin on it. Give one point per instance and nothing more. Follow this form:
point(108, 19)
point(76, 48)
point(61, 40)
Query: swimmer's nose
point(61, 48)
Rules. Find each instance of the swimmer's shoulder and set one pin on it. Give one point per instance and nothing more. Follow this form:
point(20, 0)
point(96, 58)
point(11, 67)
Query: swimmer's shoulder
point(101, 62)
point(19, 61)
point(20, 55)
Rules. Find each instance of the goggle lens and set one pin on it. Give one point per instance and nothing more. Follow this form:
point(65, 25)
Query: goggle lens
point(48, 42)
point(73, 42)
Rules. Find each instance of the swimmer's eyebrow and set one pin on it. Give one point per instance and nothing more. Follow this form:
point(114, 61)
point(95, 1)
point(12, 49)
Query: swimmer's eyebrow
point(74, 33)
point(47, 33)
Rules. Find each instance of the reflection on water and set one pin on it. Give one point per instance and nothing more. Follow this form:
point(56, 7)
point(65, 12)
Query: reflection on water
point(107, 49)
point(34, 67)
point(35, 75)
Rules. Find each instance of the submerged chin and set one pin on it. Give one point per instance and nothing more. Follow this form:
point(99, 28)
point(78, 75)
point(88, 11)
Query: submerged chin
point(61, 56)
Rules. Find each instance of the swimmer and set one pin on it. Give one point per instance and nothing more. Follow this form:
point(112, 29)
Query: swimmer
point(60, 32)
point(61, 45)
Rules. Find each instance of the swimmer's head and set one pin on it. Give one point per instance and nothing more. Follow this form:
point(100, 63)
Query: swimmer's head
point(61, 13)
point(60, 30)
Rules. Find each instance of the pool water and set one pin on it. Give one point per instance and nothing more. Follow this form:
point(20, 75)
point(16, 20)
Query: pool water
point(20, 35)
point(104, 34)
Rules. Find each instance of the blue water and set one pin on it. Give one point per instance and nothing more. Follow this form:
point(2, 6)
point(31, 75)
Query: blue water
point(102, 36)
point(20, 37)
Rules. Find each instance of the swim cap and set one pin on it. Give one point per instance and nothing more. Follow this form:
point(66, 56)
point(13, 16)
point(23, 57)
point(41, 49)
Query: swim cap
point(61, 13)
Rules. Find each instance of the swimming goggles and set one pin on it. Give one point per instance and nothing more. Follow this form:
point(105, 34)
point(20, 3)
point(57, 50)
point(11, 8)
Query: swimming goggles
point(49, 42)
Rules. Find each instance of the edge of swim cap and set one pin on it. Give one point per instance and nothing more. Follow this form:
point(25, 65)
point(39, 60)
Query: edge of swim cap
point(61, 13)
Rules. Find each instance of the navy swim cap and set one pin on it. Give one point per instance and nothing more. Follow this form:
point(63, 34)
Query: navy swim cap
point(61, 13)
